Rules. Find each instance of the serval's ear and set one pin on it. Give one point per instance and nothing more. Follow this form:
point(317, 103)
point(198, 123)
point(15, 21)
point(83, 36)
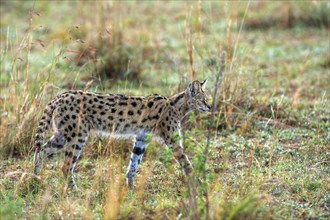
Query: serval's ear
point(203, 84)
point(194, 88)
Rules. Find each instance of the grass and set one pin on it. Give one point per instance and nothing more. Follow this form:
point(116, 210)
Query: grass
point(269, 141)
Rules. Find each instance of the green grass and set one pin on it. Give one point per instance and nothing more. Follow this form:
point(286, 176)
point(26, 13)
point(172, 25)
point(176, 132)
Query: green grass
point(269, 149)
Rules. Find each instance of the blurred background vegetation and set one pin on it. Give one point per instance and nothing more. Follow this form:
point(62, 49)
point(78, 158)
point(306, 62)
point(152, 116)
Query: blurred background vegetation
point(269, 152)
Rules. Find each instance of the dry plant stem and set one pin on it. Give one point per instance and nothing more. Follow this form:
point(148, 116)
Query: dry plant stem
point(217, 87)
point(189, 45)
point(192, 199)
point(115, 193)
point(238, 36)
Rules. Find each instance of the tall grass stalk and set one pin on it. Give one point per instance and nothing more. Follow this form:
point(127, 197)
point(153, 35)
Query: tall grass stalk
point(115, 193)
point(217, 87)
point(190, 46)
point(238, 36)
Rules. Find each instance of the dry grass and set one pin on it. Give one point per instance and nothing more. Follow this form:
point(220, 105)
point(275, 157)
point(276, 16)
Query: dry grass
point(267, 156)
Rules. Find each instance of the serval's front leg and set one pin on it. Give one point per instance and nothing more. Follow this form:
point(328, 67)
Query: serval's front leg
point(175, 143)
point(182, 158)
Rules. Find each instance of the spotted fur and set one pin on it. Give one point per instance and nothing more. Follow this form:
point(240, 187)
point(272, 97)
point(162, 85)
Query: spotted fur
point(74, 114)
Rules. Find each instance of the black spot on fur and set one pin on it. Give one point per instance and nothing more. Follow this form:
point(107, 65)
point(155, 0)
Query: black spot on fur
point(59, 146)
point(158, 98)
point(68, 154)
point(81, 141)
point(130, 112)
point(74, 159)
point(124, 97)
point(76, 147)
point(144, 120)
point(138, 151)
point(150, 104)
point(155, 117)
point(110, 104)
point(177, 99)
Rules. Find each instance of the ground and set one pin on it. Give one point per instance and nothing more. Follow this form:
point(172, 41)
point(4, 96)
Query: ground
point(268, 151)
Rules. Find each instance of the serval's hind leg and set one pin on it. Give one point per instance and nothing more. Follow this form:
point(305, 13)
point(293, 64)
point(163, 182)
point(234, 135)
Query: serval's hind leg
point(72, 152)
point(53, 145)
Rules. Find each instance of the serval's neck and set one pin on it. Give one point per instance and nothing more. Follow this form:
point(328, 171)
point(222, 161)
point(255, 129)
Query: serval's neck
point(179, 101)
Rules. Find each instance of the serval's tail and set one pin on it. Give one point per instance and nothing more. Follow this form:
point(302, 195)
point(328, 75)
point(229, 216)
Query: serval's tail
point(42, 128)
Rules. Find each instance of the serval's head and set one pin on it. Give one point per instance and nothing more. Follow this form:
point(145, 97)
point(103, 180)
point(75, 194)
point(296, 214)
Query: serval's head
point(197, 99)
